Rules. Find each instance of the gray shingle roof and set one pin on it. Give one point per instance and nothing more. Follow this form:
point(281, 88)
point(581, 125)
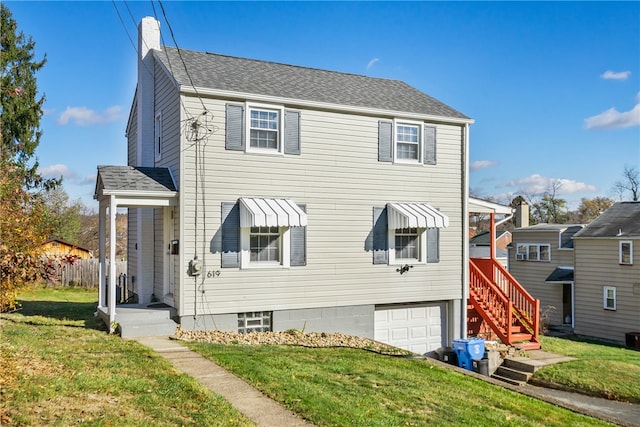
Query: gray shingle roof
point(116, 179)
point(620, 220)
point(227, 73)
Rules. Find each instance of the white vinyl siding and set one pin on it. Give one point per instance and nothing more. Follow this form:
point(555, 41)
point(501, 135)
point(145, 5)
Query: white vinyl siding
point(339, 179)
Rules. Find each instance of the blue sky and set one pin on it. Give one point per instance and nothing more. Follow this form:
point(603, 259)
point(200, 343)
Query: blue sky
point(554, 88)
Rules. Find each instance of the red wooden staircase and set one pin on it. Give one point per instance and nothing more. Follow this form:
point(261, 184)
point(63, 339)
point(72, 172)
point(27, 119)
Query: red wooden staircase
point(500, 304)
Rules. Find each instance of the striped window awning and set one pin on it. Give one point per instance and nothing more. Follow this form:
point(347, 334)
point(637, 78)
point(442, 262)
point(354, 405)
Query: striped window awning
point(418, 215)
point(258, 212)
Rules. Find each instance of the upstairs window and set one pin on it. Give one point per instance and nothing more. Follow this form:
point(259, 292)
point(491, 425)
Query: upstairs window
point(626, 253)
point(259, 128)
point(157, 136)
point(264, 129)
point(533, 252)
point(408, 142)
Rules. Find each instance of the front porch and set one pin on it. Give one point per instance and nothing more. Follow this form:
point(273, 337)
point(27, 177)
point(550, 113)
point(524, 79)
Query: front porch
point(143, 188)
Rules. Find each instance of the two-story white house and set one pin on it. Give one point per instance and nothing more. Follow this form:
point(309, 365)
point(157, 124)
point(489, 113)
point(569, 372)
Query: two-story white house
point(265, 196)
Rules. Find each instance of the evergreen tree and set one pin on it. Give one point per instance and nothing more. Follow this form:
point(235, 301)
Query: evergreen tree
point(22, 209)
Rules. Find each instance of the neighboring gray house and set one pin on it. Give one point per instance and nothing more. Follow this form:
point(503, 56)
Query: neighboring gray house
point(541, 258)
point(265, 196)
point(607, 274)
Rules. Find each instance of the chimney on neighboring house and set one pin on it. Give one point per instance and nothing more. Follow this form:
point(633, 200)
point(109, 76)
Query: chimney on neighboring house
point(522, 214)
point(148, 39)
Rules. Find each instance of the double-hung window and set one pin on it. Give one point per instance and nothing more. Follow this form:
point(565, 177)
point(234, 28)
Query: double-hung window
point(626, 252)
point(609, 297)
point(264, 245)
point(264, 129)
point(408, 142)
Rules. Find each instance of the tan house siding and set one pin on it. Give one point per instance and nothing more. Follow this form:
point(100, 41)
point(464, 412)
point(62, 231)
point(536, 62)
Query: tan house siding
point(532, 274)
point(597, 266)
point(340, 180)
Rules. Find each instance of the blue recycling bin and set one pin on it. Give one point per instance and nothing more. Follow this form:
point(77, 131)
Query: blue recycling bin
point(467, 350)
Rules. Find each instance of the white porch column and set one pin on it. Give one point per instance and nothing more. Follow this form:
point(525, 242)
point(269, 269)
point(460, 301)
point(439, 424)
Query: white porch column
point(112, 262)
point(102, 256)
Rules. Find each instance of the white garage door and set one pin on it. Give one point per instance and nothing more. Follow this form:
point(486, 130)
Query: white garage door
point(419, 328)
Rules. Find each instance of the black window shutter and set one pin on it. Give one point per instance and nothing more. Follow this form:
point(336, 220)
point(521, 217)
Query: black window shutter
point(385, 141)
point(380, 235)
point(433, 245)
point(298, 237)
point(230, 235)
point(235, 127)
point(429, 145)
point(291, 132)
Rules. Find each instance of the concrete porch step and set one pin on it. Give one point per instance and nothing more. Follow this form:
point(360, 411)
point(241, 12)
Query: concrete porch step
point(148, 328)
point(513, 374)
point(508, 380)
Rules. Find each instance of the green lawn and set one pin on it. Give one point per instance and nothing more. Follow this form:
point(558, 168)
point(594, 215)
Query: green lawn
point(58, 368)
point(349, 387)
point(604, 370)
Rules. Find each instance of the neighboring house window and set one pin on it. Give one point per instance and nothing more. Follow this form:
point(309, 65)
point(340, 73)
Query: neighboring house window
point(609, 298)
point(258, 128)
point(258, 321)
point(264, 244)
point(533, 252)
point(157, 136)
point(404, 141)
point(626, 253)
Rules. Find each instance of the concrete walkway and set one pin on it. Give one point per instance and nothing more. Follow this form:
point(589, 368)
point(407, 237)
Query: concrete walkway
point(266, 412)
point(252, 403)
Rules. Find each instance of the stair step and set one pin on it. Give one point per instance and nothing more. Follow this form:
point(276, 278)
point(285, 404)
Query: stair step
point(513, 374)
point(521, 364)
point(148, 329)
point(508, 380)
point(521, 337)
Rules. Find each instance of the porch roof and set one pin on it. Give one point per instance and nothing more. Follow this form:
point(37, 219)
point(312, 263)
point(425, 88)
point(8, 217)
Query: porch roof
point(136, 185)
point(560, 275)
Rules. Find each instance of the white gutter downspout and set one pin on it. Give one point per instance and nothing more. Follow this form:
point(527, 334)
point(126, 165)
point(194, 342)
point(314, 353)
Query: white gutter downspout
point(465, 231)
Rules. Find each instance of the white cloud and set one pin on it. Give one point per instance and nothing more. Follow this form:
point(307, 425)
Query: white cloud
point(613, 75)
point(613, 119)
point(372, 63)
point(538, 184)
point(87, 180)
point(56, 171)
point(83, 116)
point(482, 164)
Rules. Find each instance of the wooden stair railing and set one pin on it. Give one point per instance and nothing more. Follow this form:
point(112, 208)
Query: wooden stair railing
point(507, 308)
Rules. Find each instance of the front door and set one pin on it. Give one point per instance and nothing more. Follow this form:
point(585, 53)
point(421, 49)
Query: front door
point(171, 250)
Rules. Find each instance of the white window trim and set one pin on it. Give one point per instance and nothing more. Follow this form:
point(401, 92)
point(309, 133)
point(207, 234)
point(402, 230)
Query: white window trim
point(157, 136)
point(420, 126)
point(604, 298)
point(247, 131)
point(245, 250)
point(630, 242)
point(422, 248)
point(525, 256)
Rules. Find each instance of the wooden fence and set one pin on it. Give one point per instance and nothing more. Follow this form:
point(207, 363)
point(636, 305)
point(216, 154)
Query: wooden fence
point(85, 273)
